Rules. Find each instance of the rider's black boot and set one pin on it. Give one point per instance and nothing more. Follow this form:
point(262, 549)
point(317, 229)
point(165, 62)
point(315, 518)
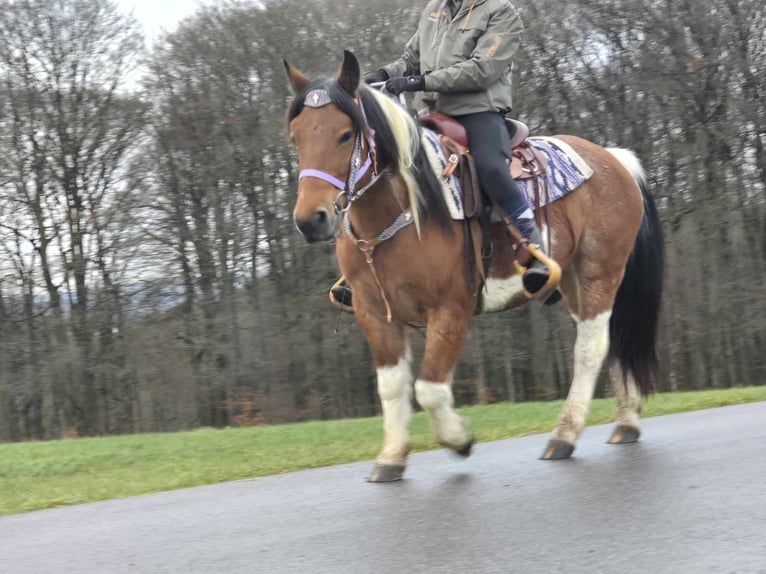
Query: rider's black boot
point(340, 295)
point(537, 274)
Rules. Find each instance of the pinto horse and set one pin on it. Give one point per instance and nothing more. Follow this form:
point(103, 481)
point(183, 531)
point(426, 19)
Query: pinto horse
point(365, 182)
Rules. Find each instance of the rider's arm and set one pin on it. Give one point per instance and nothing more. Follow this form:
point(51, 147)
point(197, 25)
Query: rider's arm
point(409, 63)
point(490, 59)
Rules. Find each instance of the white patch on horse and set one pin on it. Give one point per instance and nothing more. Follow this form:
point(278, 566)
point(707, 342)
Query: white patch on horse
point(627, 395)
point(500, 292)
point(437, 400)
point(591, 348)
point(395, 392)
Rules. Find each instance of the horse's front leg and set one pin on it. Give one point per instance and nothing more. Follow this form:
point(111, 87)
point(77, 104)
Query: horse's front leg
point(591, 348)
point(389, 346)
point(433, 390)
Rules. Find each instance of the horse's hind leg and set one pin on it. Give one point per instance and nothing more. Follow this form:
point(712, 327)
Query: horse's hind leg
point(628, 406)
point(433, 389)
point(590, 350)
point(392, 359)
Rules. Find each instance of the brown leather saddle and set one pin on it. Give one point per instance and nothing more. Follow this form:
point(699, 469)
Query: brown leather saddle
point(526, 163)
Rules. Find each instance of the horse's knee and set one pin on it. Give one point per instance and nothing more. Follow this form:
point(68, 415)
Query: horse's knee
point(395, 380)
point(432, 396)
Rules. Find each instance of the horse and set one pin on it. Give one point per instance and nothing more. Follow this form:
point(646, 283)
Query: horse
point(365, 183)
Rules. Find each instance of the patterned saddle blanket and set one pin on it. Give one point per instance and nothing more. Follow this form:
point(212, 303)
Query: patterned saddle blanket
point(566, 171)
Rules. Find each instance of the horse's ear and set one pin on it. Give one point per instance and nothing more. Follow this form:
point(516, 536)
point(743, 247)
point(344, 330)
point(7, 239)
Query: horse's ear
point(349, 74)
point(298, 80)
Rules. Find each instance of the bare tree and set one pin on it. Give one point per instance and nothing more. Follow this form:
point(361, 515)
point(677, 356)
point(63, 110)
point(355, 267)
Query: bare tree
point(62, 65)
point(150, 275)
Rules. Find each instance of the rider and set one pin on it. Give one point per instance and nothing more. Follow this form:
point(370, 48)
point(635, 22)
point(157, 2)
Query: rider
point(459, 61)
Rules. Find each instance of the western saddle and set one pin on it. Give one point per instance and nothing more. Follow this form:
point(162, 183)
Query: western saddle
point(526, 163)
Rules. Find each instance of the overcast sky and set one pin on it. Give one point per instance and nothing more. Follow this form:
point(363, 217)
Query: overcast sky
point(157, 16)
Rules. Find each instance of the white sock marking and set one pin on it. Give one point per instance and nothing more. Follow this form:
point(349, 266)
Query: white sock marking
point(628, 400)
point(437, 400)
point(591, 347)
point(395, 392)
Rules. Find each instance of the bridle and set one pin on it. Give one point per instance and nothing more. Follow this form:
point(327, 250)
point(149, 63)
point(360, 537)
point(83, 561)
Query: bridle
point(318, 98)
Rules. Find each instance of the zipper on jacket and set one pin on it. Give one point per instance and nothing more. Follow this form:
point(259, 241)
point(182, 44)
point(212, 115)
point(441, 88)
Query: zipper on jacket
point(439, 18)
point(462, 12)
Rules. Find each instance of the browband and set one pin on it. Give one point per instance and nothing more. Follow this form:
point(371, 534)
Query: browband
point(317, 98)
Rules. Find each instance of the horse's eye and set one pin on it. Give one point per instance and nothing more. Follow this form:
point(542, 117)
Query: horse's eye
point(345, 138)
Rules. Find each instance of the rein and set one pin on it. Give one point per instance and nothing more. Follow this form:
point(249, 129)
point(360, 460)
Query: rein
point(367, 247)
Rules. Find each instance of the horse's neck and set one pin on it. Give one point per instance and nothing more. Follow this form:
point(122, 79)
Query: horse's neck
point(378, 207)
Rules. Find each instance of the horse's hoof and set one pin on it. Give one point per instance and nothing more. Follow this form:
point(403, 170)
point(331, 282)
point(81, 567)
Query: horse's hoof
point(624, 434)
point(557, 449)
point(387, 473)
point(465, 451)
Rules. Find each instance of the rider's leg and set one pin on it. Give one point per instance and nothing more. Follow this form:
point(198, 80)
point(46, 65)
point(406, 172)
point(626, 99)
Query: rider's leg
point(490, 146)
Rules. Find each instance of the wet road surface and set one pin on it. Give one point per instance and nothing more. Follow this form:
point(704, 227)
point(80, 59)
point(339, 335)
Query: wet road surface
point(691, 497)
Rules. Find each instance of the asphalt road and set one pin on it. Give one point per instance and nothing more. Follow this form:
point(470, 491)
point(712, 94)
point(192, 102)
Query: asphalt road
point(691, 497)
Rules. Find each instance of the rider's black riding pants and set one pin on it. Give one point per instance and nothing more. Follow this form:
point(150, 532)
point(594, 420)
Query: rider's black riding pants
point(490, 146)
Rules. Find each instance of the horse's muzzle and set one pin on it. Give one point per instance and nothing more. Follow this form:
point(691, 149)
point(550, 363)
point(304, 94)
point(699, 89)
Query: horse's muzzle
point(322, 226)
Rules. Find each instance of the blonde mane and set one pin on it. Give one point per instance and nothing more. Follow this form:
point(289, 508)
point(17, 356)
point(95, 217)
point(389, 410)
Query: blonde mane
point(405, 133)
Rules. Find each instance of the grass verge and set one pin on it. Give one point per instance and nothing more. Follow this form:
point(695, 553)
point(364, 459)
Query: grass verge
point(37, 475)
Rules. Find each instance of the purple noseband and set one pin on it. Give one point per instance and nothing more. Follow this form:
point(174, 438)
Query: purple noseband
point(323, 176)
point(317, 99)
point(334, 181)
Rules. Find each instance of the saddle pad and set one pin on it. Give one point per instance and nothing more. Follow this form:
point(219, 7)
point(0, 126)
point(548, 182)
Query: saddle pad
point(451, 188)
point(567, 171)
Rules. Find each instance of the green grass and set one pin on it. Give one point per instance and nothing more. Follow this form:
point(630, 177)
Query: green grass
point(38, 475)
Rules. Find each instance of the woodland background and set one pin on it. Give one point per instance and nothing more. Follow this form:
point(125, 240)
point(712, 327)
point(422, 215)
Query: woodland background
point(151, 278)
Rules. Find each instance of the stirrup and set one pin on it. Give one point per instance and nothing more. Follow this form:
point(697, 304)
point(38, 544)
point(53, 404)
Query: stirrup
point(340, 295)
point(546, 292)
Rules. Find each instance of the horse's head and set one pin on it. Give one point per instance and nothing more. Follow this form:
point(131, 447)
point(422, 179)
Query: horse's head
point(326, 125)
point(348, 136)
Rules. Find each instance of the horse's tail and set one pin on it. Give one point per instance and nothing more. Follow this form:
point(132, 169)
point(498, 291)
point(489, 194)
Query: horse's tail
point(635, 315)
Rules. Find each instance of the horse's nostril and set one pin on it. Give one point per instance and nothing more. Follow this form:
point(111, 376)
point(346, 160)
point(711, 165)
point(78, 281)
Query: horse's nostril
point(318, 226)
point(320, 218)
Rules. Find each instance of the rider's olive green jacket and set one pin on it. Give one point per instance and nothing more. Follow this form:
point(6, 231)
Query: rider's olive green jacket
point(465, 53)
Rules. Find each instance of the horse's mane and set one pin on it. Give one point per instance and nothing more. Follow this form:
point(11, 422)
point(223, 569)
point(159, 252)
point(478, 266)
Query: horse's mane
point(397, 140)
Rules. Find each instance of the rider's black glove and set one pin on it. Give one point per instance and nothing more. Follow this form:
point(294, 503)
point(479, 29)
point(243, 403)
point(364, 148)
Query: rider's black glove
point(409, 84)
point(375, 77)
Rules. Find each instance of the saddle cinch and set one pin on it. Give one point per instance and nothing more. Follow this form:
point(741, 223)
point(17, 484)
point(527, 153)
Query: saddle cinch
point(526, 163)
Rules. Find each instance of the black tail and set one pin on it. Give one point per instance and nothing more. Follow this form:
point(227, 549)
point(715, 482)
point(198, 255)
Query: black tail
point(635, 315)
